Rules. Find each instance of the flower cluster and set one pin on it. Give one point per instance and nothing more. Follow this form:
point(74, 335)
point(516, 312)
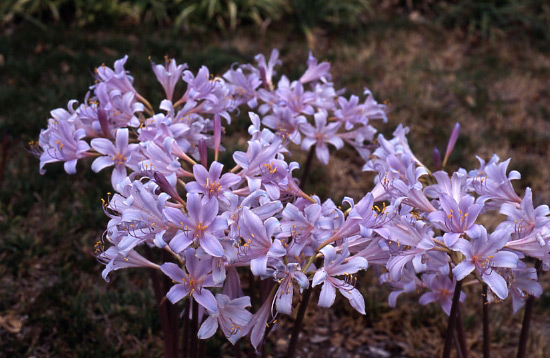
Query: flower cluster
point(422, 229)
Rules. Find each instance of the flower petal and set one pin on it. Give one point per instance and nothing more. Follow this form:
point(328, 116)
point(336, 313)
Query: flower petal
point(173, 271)
point(180, 242)
point(206, 299)
point(496, 283)
point(208, 328)
point(327, 295)
point(212, 245)
point(103, 146)
point(284, 299)
point(463, 269)
point(102, 162)
point(258, 266)
point(177, 292)
point(355, 298)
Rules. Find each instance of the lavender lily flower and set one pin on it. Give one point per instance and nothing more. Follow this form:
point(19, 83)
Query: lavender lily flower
point(114, 155)
point(455, 218)
point(524, 283)
point(62, 141)
point(231, 316)
point(336, 265)
point(192, 283)
point(320, 135)
point(259, 246)
point(315, 71)
point(202, 224)
point(168, 75)
point(286, 273)
point(483, 254)
point(442, 290)
point(114, 260)
point(210, 183)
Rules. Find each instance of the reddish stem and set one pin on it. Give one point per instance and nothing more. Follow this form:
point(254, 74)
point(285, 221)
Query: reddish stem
point(524, 335)
point(486, 333)
point(451, 322)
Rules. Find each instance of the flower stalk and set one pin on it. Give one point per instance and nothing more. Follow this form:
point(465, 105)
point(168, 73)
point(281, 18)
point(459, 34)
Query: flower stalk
point(451, 323)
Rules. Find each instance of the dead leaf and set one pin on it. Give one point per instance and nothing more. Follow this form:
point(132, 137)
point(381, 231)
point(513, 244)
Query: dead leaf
point(337, 340)
point(11, 323)
point(470, 101)
point(318, 339)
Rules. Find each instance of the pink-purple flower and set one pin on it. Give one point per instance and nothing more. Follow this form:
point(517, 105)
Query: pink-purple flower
point(339, 265)
point(201, 225)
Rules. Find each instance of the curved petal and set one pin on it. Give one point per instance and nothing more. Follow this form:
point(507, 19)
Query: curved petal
point(284, 299)
point(463, 269)
point(101, 163)
point(302, 280)
point(200, 174)
point(175, 216)
point(256, 227)
point(395, 265)
point(336, 141)
point(177, 292)
point(194, 207)
point(173, 271)
point(208, 328)
point(229, 179)
point(194, 187)
point(118, 175)
point(307, 142)
point(327, 295)
point(426, 298)
point(212, 245)
point(392, 298)
point(496, 283)
point(180, 242)
point(206, 299)
point(505, 259)
point(209, 211)
point(103, 146)
point(277, 249)
point(219, 224)
point(70, 166)
point(319, 277)
point(322, 153)
point(215, 170)
point(352, 266)
point(258, 266)
point(121, 139)
point(330, 254)
point(355, 298)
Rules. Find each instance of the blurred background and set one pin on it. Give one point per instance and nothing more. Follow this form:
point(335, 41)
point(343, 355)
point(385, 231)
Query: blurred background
point(485, 64)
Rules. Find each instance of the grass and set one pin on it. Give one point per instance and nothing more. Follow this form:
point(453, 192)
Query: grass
point(50, 282)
